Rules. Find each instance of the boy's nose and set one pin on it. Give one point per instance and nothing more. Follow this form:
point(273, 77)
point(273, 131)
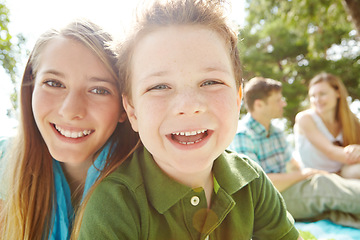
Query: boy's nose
point(73, 106)
point(189, 102)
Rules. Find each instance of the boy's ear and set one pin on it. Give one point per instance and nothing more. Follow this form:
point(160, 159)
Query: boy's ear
point(130, 111)
point(239, 99)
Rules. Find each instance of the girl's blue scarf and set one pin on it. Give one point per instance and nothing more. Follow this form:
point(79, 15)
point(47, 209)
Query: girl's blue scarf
point(63, 211)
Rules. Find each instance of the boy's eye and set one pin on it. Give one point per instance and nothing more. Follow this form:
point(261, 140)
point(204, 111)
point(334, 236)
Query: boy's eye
point(210, 82)
point(100, 91)
point(54, 83)
point(159, 87)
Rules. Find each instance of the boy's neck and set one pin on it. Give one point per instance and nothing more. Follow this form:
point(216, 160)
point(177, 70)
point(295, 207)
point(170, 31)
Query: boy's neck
point(202, 179)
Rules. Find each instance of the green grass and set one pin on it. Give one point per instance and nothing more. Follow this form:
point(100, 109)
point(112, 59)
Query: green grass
point(308, 236)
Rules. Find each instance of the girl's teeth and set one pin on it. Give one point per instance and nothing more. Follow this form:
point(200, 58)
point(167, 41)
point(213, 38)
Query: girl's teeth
point(70, 134)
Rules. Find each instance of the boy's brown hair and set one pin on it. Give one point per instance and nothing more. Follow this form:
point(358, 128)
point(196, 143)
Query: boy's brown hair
point(207, 13)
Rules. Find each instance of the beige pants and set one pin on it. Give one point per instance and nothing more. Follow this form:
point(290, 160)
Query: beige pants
point(325, 197)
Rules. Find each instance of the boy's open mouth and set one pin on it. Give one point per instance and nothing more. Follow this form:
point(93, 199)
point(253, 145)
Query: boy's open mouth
point(187, 138)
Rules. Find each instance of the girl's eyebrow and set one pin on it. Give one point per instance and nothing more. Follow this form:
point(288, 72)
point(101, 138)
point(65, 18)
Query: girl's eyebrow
point(53, 72)
point(92, 79)
point(106, 80)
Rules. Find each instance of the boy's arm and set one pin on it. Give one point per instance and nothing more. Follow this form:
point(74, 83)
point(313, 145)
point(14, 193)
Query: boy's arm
point(111, 213)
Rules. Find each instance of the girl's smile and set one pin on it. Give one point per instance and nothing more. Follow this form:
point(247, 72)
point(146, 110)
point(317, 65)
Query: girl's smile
point(72, 133)
point(76, 102)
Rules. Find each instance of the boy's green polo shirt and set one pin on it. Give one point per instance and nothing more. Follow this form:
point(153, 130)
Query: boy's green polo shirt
point(139, 201)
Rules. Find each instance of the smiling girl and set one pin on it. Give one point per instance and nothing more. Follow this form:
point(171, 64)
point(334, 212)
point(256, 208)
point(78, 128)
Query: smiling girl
point(327, 134)
point(72, 127)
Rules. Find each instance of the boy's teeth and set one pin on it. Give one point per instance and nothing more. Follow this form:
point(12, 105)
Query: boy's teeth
point(193, 133)
point(189, 143)
point(70, 134)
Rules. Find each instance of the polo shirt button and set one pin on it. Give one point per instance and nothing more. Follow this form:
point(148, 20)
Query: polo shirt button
point(195, 200)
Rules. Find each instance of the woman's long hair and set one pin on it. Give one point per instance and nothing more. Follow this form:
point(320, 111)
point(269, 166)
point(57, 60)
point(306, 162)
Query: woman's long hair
point(349, 123)
point(30, 197)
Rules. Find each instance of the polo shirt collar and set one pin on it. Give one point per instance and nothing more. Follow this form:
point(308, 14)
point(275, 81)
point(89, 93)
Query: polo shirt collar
point(257, 127)
point(163, 191)
point(231, 173)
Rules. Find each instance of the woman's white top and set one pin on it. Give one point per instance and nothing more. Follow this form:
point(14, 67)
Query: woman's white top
point(310, 156)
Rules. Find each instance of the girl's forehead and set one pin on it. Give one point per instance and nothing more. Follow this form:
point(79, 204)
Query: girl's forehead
point(321, 86)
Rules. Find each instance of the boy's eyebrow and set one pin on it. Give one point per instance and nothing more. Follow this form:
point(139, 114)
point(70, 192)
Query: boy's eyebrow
point(206, 69)
point(156, 74)
point(217, 69)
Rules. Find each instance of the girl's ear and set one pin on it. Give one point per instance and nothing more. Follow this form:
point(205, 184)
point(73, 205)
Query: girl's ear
point(122, 117)
point(130, 111)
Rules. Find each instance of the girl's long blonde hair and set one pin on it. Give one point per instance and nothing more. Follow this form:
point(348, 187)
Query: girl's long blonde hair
point(349, 123)
point(30, 197)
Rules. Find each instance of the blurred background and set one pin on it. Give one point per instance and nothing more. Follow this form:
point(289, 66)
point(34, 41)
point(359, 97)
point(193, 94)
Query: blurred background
point(290, 41)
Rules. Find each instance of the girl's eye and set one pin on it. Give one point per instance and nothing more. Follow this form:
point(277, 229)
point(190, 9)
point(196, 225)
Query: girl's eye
point(54, 83)
point(210, 82)
point(100, 91)
point(159, 87)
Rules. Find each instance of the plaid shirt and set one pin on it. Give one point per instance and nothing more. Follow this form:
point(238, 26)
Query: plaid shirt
point(269, 149)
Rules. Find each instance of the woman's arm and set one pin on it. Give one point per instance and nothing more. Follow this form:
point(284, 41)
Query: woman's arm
point(305, 125)
point(282, 181)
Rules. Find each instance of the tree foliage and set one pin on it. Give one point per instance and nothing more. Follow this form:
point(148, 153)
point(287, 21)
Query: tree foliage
point(10, 52)
point(353, 8)
point(293, 40)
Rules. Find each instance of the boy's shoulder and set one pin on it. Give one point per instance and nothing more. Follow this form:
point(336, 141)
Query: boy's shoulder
point(232, 169)
point(129, 173)
point(241, 161)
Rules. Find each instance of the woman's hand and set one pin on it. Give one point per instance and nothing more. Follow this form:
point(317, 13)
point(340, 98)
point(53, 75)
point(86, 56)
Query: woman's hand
point(352, 153)
point(310, 172)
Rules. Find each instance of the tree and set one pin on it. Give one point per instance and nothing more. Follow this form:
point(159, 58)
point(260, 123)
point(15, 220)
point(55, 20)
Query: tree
point(10, 51)
point(293, 40)
point(353, 8)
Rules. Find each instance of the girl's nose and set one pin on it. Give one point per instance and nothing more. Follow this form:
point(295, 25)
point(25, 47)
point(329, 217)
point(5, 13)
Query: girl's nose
point(73, 106)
